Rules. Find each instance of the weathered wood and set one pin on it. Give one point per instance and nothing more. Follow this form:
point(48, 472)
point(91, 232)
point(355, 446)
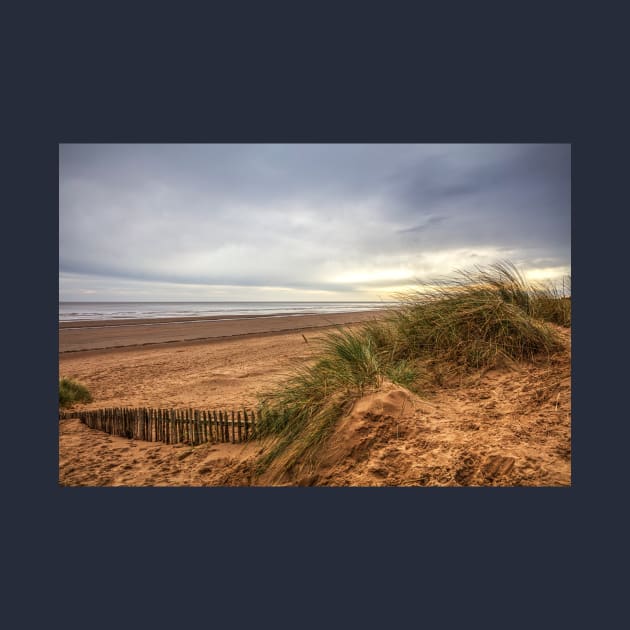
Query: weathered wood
point(171, 426)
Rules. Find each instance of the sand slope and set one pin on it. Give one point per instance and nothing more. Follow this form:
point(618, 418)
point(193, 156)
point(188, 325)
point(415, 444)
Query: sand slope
point(505, 427)
point(506, 430)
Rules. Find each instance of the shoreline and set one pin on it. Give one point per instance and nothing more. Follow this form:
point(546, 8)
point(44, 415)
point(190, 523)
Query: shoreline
point(191, 319)
point(108, 335)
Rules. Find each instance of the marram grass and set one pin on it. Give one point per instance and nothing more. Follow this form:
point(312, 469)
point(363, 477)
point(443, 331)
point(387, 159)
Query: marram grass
point(468, 321)
point(475, 319)
point(72, 392)
point(301, 412)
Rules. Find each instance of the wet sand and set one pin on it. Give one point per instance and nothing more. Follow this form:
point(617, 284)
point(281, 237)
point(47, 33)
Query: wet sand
point(108, 334)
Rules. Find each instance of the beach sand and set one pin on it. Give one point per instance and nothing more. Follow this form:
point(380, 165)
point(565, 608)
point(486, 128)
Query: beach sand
point(107, 334)
point(502, 427)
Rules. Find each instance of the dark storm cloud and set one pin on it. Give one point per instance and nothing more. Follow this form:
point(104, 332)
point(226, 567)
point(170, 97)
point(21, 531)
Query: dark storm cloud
point(306, 217)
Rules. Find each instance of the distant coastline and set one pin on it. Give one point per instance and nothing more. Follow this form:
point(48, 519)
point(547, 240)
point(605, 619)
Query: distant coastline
point(112, 312)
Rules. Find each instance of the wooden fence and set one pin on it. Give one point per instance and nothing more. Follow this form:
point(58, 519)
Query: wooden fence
point(172, 426)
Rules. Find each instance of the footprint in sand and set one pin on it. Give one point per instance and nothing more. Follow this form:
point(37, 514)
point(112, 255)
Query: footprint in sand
point(465, 473)
point(497, 466)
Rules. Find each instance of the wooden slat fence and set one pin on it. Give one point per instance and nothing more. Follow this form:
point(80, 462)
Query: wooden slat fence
point(172, 426)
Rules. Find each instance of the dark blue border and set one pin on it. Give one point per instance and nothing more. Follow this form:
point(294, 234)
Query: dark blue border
point(385, 558)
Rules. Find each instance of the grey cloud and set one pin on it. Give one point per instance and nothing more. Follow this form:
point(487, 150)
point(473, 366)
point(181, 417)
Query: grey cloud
point(430, 221)
point(297, 215)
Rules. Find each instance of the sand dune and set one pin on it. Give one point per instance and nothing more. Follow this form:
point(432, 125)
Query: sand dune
point(505, 427)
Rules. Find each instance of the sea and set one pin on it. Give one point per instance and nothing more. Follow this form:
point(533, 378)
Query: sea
point(95, 311)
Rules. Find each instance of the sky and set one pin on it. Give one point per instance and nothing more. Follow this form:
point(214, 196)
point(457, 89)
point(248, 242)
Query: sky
point(307, 222)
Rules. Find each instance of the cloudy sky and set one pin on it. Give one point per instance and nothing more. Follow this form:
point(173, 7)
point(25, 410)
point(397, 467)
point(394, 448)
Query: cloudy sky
point(303, 221)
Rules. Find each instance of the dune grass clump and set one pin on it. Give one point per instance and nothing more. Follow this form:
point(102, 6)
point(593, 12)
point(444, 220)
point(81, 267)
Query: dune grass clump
point(552, 305)
point(469, 321)
point(298, 416)
point(301, 412)
point(71, 392)
point(474, 319)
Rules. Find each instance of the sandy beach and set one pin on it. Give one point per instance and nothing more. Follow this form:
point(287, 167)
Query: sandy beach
point(502, 427)
point(122, 333)
point(216, 371)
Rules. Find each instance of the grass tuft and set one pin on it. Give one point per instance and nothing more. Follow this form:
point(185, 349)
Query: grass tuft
point(475, 319)
point(552, 305)
point(71, 392)
point(301, 413)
